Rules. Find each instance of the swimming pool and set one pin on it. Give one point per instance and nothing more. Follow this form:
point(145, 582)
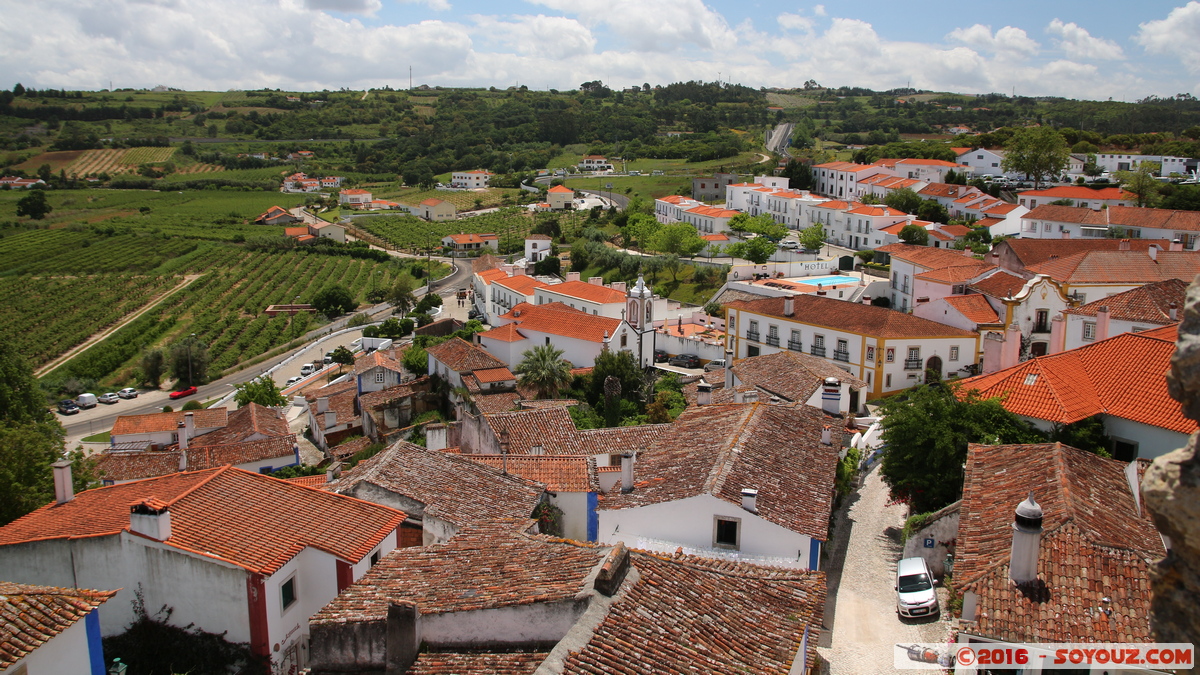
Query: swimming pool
point(832, 280)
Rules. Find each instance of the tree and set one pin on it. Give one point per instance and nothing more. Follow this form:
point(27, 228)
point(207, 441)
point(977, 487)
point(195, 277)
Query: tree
point(904, 199)
point(1091, 168)
point(927, 430)
point(188, 360)
point(416, 360)
point(333, 300)
point(345, 357)
point(1037, 152)
point(153, 366)
point(21, 400)
point(545, 370)
point(757, 250)
point(678, 239)
point(34, 205)
point(713, 308)
point(619, 364)
point(914, 234)
point(1142, 183)
point(812, 238)
point(30, 439)
point(932, 211)
point(261, 390)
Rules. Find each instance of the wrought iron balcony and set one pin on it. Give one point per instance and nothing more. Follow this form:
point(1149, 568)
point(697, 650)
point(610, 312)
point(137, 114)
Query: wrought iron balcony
point(817, 351)
point(752, 335)
point(773, 340)
point(795, 345)
point(912, 364)
point(839, 355)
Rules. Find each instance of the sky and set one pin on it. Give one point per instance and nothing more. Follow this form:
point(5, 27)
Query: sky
point(1094, 50)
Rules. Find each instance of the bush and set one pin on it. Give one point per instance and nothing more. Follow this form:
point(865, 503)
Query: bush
point(193, 405)
point(167, 408)
point(360, 319)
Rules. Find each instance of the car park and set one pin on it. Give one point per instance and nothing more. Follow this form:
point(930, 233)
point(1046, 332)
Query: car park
point(108, 399)
point(182, 393)
point(86, 401)
point(660, 356)
point(128, 392)
point(715, 364)
point(915, 592)
point(685, 361)
point(67, 407)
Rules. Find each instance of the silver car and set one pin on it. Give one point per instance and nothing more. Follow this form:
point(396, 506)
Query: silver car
point(915, 593)
point(109, 398)
point(128, 392)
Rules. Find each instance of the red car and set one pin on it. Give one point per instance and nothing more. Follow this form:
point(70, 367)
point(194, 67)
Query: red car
point(186, 391)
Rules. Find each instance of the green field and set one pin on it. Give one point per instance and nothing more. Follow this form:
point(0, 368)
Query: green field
point(411, 233)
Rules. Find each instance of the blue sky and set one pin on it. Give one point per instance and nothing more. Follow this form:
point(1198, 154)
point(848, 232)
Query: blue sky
point(1072, 49)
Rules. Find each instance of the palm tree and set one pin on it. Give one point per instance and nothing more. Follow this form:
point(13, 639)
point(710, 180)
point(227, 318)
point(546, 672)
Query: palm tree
point(544, 369)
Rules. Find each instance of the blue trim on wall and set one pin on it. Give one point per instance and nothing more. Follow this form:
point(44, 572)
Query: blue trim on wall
point(814, 554)
point(593, 517)
point(95, 645)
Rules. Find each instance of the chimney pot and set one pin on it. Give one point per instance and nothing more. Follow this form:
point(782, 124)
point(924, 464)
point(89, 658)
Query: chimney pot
point(1026, 542)
point(703, 393)
point(322, 405)
point(64, 488)
point(189, 423)
point(1123, 245)
point(750, 500)
point(150, 521)
point(789, 306)
point(1153, 251)
point(750, 396)
point(1176, 245)
point(826, 435)
point(596, 281)
point(1173, 311)
point(627, 472)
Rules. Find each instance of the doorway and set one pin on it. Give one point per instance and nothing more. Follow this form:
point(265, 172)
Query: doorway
point(933, 369)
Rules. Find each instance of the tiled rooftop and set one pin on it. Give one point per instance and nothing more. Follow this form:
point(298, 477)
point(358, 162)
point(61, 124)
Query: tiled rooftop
point(1120, 267)
point(955, 275)
point(566, 473)
point(211, 418)
point(1147, 304)
point(383, 397)
point(461, 356)
point(974, 307)
point(31, 616)
point(851, 317)
point(521, 283)
point(451, 487)
point(721, 449)
point(246, 422)
point(556, 318)
point(378, 359)
point(790, 375)
point(1033, 251)
point(252, 521)
point(582, 290)
point(999, 284)
point(1123, 376)
point(929, 258)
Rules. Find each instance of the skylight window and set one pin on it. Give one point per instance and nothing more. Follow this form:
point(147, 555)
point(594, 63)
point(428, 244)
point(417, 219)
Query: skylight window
point(1031, 378)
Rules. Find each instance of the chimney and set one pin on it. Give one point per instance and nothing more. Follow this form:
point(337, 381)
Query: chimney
point(189, 424)
point(596, 281)
point(866, 299)
point(436, 436)
point(1153, 252)
point(613, 570)
point(572, 276)
point(64, 488)
point(1102, 323)
point(1058, 335)
point(1027, 538)
point(330, 419)
point(150, 517)
point(789, 306)
point(1176, 245)
point(826, 435)
point(402, 644)
point(1010, 351)
point(1173, 311)
point(703, 393)
point(1066, 234)
point(750, 500)
point(333, 471)
point(537, 450)
point(627, 472)
point(181, 434)
point(322, 405)
point(831, 395)
point(619, 286)
point(1123, 245)
point(750, 396)
point(729, 369)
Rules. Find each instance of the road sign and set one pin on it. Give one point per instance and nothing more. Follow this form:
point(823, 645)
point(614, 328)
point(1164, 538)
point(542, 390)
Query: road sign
point(608, 185)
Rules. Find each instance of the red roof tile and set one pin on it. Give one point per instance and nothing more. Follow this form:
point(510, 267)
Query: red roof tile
point(506, 333)
point(851, 317)
point(790, 375)
point(955, 275)
point(1033, 251)
point(461, 356)
point(582, 290)
point(566, 473)
point(556, 318)
point(521, 283)
point(1078, 192)
point(150, 423)
point(929, 258)
point(999, 284)
point(974, 307)
point(561, 189)
point(1148, 304)
point(244, 424)
point(31, 616)
point(1120, 267)
point(247, 519)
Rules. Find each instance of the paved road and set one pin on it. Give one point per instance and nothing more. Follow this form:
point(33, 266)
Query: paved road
point(861, 606)
point(779, 136)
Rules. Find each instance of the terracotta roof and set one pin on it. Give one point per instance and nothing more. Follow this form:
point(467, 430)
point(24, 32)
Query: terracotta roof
point(616, 440)
point(506, 333)
point(123, 466)
point(537, 237)
point(721, 449)
point(31, 616)
point(384, 397)
point(247, 519)
point(1033, 251)
point(713, 211)
point(947, 190)
point(720, 236)
point(151, 423)
point(492, 275)
point(1147, 304)
point(955, 275)
point(1120, 267)
point(999, 284)
point(245, 423)
point(844, 166)
point(489, 375)
point(434, 202)
point(1078, 192)
point(316, 481)
point(582, 290)
point(487, 261)
point(554, 430)
point(928, 162)
point(929, 258)
point(1166, 219)
point(974, 307)
point(990, 222)
point(461, 356)
point(1123, 376)
point(1067, 214)
point(448, 487)
point(560, 189)
point(790, 375)
point(354, 191)
point(430, 662)
point(556, 318)
point(521, 283)
point(850, 317)
point(503, 401)
point(565, 473)
point(876, 211)
point(1095, 544)
point(837, 205)
point(347, 449)
point(342, 399)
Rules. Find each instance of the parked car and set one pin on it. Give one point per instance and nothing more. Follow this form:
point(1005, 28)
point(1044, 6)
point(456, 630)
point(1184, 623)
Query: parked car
point(128, 392)
point(86, 401)
point(915, 593)
point(292, 380)
point(182, 393)
point(660, 356)
point(328, 359)
point(715, 364)
point(306, 370)
point(67, 407)
point(790, 243)
point(685, 361)
point(108, 399)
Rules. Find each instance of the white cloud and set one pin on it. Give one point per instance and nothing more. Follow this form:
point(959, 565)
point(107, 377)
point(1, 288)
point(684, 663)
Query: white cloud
point(435, 5)
point(819, 10)
point(348, 6)
point(1077, 43)
point(795, 22)
point(659, 26)
point(1177, 35)
point(1008, 41)
point(552, 37)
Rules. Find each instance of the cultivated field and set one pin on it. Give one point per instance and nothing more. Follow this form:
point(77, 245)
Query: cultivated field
point(116, 160)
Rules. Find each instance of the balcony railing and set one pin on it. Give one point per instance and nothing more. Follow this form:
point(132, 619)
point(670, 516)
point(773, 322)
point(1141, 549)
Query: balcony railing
point(773, 340)
point(912, 364)
point(839, 355)
point(1041, 327)
point(752, 335)
point(795, 345)
point(816, 351)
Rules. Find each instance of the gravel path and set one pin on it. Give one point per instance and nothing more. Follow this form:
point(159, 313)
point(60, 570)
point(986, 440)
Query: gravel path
point(862, 605)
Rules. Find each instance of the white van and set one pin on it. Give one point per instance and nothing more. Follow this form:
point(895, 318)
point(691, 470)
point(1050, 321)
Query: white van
point(86, 401)
point(306, 370)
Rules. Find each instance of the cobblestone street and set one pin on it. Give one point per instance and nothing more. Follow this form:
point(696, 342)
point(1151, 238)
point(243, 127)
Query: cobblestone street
point(862, 603)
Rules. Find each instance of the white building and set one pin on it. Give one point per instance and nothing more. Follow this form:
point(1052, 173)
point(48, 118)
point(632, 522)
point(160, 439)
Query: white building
point(840, 180)
point(1135, 311)
point(470, 180)
point(538, 247)
point(1052, 221)
point(983, 163)
point(230, 551)
point(595, 164)
point(1081, 196)
point(354, 198)
point(51, 630)
point(908, 261)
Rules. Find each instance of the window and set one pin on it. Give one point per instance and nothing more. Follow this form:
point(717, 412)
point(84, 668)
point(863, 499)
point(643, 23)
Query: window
point(887, 381)
point(623, 340)
point(871, 354)
point(891, 355)
point(379, 377)
point(954, 353)
point(818, 340)
point(375, 558)
point(287, 592)
point(726, 532)
point(1089, 330)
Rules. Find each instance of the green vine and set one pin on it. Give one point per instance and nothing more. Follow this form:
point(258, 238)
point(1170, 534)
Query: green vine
point(549, 519)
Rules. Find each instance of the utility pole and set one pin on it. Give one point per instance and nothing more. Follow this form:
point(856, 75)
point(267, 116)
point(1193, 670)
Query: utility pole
point(191, 339)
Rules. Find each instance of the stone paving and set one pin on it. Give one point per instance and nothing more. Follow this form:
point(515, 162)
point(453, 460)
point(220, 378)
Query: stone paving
point(861, 609)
